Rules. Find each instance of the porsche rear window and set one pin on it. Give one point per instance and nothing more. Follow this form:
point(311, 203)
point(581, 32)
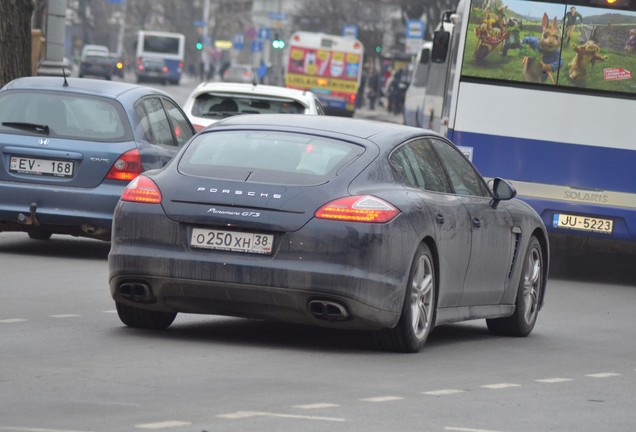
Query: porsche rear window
point(267, 156)
point(65, 115)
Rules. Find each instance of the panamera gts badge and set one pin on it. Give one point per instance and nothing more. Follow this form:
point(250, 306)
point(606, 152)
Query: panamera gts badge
point(234, 213)
point(43, 141)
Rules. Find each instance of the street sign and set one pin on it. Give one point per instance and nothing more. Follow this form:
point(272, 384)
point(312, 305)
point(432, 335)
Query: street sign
point(350, 30)
point(278, 16)
point(263, 33)
point(238, 41)
point(199, 23)
point(257, 45)
point(414, 29)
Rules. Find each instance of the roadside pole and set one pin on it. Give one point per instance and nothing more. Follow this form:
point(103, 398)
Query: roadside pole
point(53, 63)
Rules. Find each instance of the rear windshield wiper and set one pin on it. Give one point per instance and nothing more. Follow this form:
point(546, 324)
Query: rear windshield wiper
point(33, 127)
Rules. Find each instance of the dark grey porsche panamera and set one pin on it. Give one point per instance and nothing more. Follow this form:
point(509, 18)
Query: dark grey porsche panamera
point(328, 221)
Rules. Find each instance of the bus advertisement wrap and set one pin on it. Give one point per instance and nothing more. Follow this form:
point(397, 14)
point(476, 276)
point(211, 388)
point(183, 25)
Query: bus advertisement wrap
point(552, 44)
point(330, 66)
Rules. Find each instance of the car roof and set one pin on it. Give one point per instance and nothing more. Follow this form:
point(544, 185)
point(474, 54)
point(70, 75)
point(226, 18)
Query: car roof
point(376, 131)
point(111, 89)
point(252, 89)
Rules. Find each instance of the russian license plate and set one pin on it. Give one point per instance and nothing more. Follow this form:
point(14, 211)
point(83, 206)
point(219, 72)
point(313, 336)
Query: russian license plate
point(582, 223)
point(41, 167)
point(232, 241)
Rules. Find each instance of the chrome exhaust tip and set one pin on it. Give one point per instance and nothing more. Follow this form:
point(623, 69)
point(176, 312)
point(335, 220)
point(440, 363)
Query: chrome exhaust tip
point(135, 291)
point(329, 310)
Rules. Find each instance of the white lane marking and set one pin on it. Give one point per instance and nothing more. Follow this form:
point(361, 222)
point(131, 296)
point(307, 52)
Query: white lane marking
point(248, 414)
point(553, 380)
point(500, 386)
point(603, 375)
point(382, 399)
point(443, 392)
point(459, 429)
point(316, 406)
point(23, 429)
point(162, 425)
point(64, 316)
point(12, 320)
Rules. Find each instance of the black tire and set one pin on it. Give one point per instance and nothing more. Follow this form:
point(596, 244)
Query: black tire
point(142, 318)
point(40, 235)
point(418, 311)
point(529, 293)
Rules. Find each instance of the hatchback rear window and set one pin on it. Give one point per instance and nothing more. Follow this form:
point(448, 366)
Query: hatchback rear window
point(67, 115)
point(267, 156)
point(219, 104)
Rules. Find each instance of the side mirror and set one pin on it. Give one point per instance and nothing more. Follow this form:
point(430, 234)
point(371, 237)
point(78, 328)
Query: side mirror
point(502, 191)
point(426, 56)
point(441, 43)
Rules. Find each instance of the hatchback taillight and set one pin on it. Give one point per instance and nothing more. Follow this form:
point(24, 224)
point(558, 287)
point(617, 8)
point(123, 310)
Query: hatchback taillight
point(127, 167)
point(142, 190)
point(359, 208)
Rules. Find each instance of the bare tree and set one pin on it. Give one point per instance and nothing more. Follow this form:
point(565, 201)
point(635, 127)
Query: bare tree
point(329, 16)
point(431, 10)
point(15, 39)
point(39, 14)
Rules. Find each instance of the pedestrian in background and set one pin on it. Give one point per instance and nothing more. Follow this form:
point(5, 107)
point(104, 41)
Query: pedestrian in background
point(262, 72)
point(374, 86)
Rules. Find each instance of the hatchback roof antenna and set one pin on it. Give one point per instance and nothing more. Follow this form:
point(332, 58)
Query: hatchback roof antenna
point(64, 74)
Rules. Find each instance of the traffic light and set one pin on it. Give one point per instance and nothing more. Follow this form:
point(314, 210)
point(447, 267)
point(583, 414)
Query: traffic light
point(278, 43)
point(199, 45)
point(378, 49)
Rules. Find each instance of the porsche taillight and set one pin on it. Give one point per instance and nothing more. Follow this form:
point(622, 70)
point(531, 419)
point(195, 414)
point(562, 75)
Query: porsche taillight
point(359, 208)
point(142, 190)
point(126, 167)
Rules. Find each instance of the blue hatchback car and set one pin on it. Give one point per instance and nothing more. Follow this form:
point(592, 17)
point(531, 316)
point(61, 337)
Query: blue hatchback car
point(69, 147)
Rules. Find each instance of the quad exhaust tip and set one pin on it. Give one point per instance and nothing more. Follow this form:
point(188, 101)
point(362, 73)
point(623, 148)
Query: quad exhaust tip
point(328, 310)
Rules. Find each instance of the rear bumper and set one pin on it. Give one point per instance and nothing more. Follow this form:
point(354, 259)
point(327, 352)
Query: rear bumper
point(62, 210)
point(250, 301)
point(365, 269)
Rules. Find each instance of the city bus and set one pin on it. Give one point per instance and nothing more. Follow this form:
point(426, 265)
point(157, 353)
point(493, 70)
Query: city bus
point(546, 103)
point(162, 46)
point(328, 65)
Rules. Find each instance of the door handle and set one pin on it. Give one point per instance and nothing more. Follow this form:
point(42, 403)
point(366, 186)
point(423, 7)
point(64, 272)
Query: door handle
point(476, 222)
point(439, 218)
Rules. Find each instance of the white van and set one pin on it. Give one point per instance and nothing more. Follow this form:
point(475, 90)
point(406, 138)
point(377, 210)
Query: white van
point(414, 99)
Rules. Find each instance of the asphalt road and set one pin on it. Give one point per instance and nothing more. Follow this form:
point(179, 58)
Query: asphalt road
point(69, 365)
